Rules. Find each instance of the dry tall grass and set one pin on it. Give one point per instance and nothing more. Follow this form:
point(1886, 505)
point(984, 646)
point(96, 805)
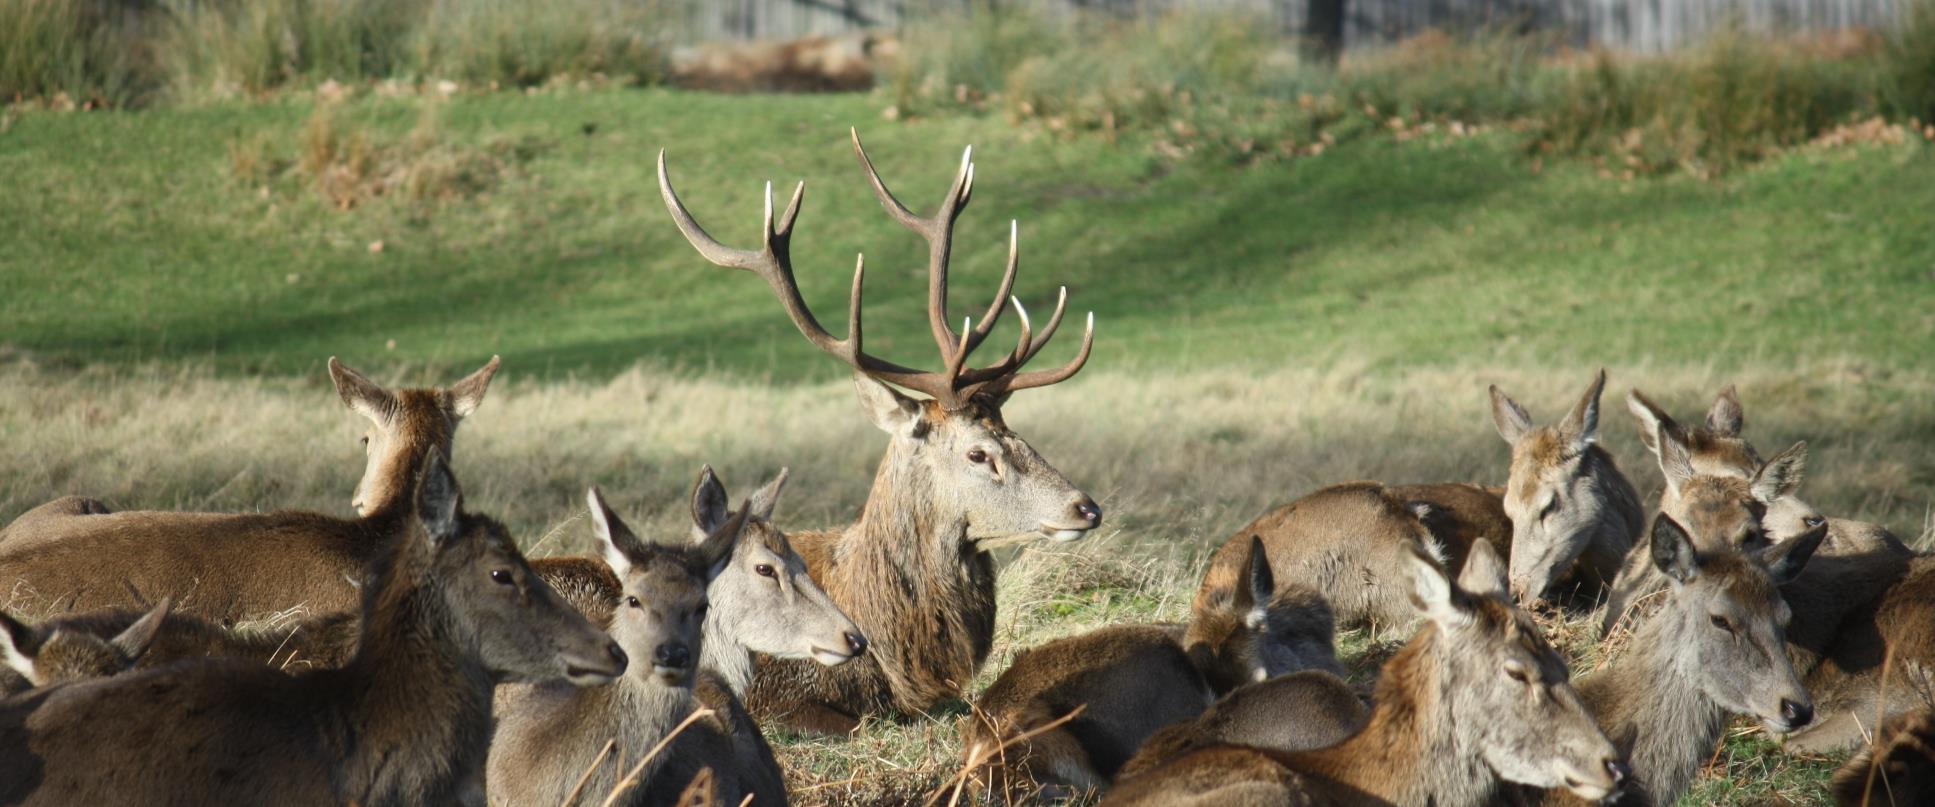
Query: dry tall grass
point(1178, 462)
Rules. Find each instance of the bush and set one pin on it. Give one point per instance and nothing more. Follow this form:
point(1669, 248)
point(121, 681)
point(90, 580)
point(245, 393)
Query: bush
point(90, 51)
point(227, 47)
point(522, 43)
point(1907, 64)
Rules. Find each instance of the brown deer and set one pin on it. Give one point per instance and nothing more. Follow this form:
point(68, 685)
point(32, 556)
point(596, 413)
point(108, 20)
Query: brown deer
point(1896, 769)
point(1477, 696)
point(549, 734)
point(1132, 680)
point(1716, 647)
point(233, 567)
point(449, 611)
point(1880, 663)
point(1301, 711)
point(327, 640)
point(914, 572)
point(36, 656)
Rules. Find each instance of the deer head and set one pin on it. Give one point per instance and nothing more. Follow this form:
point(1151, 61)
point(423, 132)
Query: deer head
point(764, 600)
point(68, 655)
point(954, 442)
point(1731, 510)
point(1716, 449)
point(1726, 624)
point(1255, 631)
point(405, 425)
point(662, 605)
point(1561, 491)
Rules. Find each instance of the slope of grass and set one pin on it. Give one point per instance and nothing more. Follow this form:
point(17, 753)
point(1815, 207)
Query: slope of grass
point(138, 236)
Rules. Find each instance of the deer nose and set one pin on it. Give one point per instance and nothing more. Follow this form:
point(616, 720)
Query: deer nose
point(673, 655)
point(1796, 714)
point(1087, 510)
point(856, 642)
point(618, 657)
point(1619, 771)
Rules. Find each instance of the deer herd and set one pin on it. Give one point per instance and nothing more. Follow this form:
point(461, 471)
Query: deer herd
point(412, 655)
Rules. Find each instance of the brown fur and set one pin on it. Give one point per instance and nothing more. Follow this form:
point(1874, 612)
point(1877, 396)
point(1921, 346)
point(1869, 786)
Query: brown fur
point(450, 611)
point(1296, 712)
point(1896, 770)
point(1448, 725)
point(1458, 514)
point(314, 642)
point(808, 64)
point(236, 567)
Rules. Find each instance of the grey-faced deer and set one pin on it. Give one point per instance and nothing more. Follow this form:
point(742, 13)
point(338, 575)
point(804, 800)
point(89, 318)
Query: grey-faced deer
point(450, 610)
point(234, 567)
point(1716, 647)
point(1896, 769)
point(914, 572)
point(1477, 697)
point(548, 735)
point(39, 655)
point(1132, 680)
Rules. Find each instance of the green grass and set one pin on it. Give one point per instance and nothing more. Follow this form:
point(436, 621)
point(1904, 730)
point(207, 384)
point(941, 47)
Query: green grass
point(135, 237)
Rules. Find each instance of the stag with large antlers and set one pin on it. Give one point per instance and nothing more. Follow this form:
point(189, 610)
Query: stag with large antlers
point(914, 572)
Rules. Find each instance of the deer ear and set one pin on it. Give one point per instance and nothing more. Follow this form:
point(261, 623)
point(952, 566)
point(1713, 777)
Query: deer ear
point(1433, 594)
point(717, 548)
point(1673, 550)
point(361, 395)
point(1781, 476)
point(1650, 416)
point(439, 501)
point(1581, 425)
point(1786, 560)
point(18, 644)
point(1484, 574)
point(765, 499)
point(709, 503)
point(1676, 461)
point(890, 411)
point(1726, 418)
point(1509, 417)
point(621, 546)
point(138, 637)
point(468, 394)
point(1258, 586)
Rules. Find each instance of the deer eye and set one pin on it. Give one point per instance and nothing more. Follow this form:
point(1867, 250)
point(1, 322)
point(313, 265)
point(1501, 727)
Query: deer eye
point(1550, 508)
point(766, 570)
point(703, 610)
point(977, 456)
point(633, 602)
point(501, 577)
point(1517, 673)
point(1813, 521)
point(365, 440)
point(1721, 622)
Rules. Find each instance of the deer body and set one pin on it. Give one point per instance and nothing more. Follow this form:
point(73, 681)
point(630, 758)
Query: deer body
point(1453, 718)
point(1897, 769)
point(913, 573)
point(1300, 711)
point(449, 613)
point(233, 567)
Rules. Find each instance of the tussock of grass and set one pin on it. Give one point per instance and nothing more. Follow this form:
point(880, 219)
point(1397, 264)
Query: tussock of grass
point(349, 161)
point(185, 439)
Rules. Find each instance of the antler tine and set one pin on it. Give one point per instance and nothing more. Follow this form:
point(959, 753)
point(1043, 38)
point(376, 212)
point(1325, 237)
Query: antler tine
point(1054, 323)
point(1043, 378)
point(938, 231)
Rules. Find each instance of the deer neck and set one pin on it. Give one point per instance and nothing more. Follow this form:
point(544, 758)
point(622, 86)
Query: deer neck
point(419, 699)
point(1653, 710)
point(1409, 753)
point(719, 653)
point(1624, 516)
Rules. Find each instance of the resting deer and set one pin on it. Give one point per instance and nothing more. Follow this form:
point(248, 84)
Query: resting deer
point(1477, 696)
point(914, 572)
point(1301, 711)
point(1566, 509)
point(1132, 680)
point(233, 567)
point(328, 640)
point(1897, 769)
point(1714, 648)
point(39, 655)
point(450, 610)
point(550, 734)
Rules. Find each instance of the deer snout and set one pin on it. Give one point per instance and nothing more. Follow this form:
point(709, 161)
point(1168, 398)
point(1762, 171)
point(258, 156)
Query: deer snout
point(1796, 714)
point(856, 642)
point(1088, 512)
point(595, 670)
point(672, 661)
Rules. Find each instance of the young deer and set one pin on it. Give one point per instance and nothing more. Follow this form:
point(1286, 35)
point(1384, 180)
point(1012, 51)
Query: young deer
point(39, 655)
point(548, 734)
point(1477, 697)
point(914, 572)
point(1132, 680)
point(1301, 711)
point(232, 567)
point(328, 640)
point(450, 610)
point(1716, 647)
point(1896, 769)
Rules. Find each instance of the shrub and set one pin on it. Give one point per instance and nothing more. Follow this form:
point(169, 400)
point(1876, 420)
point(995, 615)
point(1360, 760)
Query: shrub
point(225, 47)
point(90, 51)
point(521, 43)
point(1907, 63)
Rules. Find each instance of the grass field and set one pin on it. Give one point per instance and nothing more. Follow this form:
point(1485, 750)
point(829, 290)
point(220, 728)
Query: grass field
point(174, 279)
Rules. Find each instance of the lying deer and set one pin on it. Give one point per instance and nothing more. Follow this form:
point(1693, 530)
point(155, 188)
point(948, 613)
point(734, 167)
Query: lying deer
point(1478, 696)
point(1715, 647)
point(1569, 510)
point(1132, 680)
point(1896, 769)
point(1301, 711)
point(914, 572)
point(234, 567)
point(450, 610)
point(549, 735)
point(39, 655)
point(324, 641)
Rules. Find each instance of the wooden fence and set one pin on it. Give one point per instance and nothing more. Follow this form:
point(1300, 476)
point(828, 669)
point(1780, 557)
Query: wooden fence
point(1646, 26)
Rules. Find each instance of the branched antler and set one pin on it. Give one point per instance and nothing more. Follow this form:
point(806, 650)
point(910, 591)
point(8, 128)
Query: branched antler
point(956, 383)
